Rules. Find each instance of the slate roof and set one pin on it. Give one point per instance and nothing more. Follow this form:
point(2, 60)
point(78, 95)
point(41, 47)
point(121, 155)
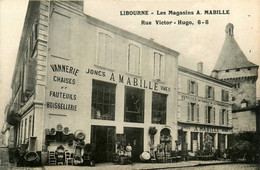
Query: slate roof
point(231, 56)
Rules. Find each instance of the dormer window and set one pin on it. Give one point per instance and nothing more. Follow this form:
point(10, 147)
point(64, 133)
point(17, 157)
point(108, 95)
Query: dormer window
point(237, 85)
point(244, 104)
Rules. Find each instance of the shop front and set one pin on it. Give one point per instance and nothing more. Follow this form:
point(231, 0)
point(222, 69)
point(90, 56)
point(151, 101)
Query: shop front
point(195, 138)
point(103, 138)
point(134, 138)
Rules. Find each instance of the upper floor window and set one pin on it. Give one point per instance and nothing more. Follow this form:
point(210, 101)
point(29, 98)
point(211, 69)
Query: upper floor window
point(105, 50)
point(159, 108)
point(193, 112)
point(30, 126)
point(192, 87)
point(103, 100)
point(21, 133)
point(158, 66)
point(33, 125)
point(210, 115)
point(32, 39)
point(134, 105)
point(225, 95)
point(134, 59)
point(210, 92)
point(223, 117)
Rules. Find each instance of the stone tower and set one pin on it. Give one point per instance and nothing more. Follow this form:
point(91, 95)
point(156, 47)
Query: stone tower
point(232, 66)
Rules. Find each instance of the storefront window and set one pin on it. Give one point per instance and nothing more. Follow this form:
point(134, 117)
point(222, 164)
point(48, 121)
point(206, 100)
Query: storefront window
point(134, 105)
point(103, 100)
point(159, 108)
point(194, 141)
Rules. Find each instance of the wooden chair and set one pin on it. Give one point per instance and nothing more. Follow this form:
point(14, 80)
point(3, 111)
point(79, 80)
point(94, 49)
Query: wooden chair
point(52, 159)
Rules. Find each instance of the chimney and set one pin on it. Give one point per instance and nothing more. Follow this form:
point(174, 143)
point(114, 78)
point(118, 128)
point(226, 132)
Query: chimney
point(200, 67)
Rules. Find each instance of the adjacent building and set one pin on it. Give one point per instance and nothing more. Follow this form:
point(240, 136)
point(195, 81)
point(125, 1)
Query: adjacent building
point(76, 74)
point(204, 109)
point(232, 66)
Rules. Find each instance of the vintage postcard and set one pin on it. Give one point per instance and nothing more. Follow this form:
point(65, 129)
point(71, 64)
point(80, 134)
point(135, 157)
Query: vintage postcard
point(146, 84)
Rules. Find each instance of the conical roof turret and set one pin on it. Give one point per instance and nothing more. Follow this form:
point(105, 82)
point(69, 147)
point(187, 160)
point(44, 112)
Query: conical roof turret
point(231, 56)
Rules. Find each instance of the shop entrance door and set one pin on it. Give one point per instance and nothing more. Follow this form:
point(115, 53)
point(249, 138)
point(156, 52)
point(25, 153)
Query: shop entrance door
point(104, 139)
point(135, 137)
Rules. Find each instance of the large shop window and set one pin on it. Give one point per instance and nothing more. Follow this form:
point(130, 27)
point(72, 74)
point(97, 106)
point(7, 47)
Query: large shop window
point(210, 115)
point(159, 108)
point(105, 50)
point(134, 59)
point(134, 105)
point(225, 96)
point(158, 66)
point(103, 100)
point(193, 112)
point(210, 92)
point(192, 87)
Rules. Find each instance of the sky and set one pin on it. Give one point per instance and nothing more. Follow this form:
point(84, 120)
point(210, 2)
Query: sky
point(195, 43)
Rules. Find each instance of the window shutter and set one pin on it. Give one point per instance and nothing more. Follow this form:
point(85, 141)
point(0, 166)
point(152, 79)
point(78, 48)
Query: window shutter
point(198, 113)
point(108, 51)
point(101, 49)
point(206, 92)
point(206, 114)
point(196, 88)
point(189, 111)
point(227, 114)
point(189, 87)
point(30, 73)
point(214, 115)
point(227, 96)
point(220, 116)
point(213, 93)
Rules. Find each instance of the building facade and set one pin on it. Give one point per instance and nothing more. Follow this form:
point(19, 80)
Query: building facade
point(204, 111)
point(77, 77)
point(232, 66)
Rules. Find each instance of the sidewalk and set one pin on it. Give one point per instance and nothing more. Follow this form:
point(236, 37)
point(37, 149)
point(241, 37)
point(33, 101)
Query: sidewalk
point(134, 166)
